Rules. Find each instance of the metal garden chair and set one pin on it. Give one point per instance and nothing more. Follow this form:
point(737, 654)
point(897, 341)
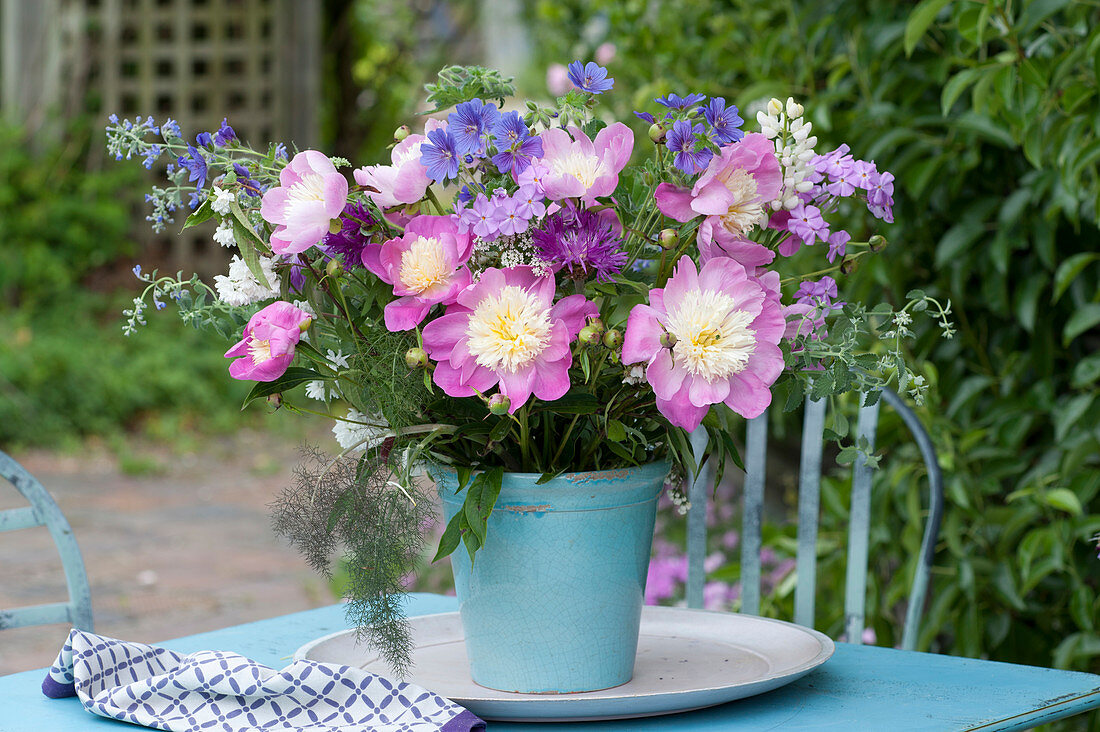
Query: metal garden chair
point(808, 510)
point(44, 511)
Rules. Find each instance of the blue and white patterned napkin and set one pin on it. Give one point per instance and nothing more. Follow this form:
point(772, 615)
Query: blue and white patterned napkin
point(226, 692)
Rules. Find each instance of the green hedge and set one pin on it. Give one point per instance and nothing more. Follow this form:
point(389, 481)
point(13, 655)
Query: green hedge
point(987, 114)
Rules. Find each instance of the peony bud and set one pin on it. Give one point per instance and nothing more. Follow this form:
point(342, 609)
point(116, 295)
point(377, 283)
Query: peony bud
point(335, 226)
point(304, 325)
point(613, 339)
point(590, 335)
point(334, 268)
point(657, 133)
point(668, 238)
point(416, 358)
point(275, 400)
point(877, 242)
point(499, 404)
point(597, 324)
point(401, 133)
point(668, 339)
point(848, 265)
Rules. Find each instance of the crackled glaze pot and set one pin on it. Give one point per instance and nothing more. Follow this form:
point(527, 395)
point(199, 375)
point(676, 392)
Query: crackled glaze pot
point(553, 601)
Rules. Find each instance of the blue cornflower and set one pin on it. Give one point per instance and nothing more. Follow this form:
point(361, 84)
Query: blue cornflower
point(682, 141)
point(440, 155)
point(724, 121)
point(591, 77)
point(470, 124)
point(673, 101)
point(151, 154)
point(204, 139)
point(196, 166)
point(225, 134)
point(170, 128)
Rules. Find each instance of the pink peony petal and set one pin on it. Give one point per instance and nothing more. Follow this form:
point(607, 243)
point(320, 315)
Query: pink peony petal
point(703, 393)
point(674, 202)
point(665, 375)
point(405, 313)
point(642, 337)
point(573, 311)
point(516, 385)
point(552, 378)
point(681, 412)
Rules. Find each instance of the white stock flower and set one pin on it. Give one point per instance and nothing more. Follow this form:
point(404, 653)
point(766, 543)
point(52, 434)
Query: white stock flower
point(223, 201)
point(224, 234)
point(794, 148)
point(241, 288)
point(357, 437)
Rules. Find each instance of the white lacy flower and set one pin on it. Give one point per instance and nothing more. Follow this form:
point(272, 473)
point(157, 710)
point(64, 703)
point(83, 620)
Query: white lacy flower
point(223, 201)
point(241, 288)
point(316, 390)
point(337, 359)
point(305, 307)
point(224, 234)
point(359, 437)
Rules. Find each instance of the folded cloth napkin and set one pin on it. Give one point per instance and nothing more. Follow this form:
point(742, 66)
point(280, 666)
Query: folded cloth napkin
point(216, 690)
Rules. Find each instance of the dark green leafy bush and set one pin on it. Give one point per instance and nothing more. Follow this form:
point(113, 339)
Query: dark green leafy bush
point(988, 115)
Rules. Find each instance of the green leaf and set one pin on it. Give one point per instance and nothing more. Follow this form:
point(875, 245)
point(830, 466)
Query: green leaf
point(1068, 271)
point(247, 241)
point(1084, 318)
point(956, 85)
point(957, 240)
point(575, 402)
point(919, 20)
point(1087, 371)
point(451, 536)
point(616, 432)
point(291, 378)
point(1064, 500)
point(199, 215)
point(1067, 415)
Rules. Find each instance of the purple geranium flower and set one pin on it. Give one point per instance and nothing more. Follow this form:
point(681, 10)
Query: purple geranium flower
point(516, 145)
point(582, 242)
point(225, 134)
point(350, 241)
point(470, 124)
point(673, 101)
point(440, 155)
point(591, 77)
point(682, 141)
point(196, 166)
point(204, 139)
point(724, 121)
point(645, 117)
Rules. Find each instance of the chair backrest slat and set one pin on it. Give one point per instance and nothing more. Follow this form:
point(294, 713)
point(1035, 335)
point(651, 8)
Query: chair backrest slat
point(859, 528)
point(19, 518)
point(809, 502)
point(756, 458)
point(78, 610)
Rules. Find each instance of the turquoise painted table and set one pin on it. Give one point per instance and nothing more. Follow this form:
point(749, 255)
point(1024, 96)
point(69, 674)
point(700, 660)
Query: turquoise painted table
point(860, 688)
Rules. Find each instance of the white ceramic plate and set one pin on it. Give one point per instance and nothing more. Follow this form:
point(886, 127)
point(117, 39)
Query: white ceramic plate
point(687, 659)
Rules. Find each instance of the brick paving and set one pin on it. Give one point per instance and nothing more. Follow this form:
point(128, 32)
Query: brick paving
point(185, 550)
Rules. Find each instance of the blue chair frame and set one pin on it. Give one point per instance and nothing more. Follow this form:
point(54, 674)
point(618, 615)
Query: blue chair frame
point(808, 513)
point(44, 511)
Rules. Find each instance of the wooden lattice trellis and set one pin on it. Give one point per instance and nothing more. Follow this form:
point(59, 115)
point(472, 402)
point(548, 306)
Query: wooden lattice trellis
point(254, 61)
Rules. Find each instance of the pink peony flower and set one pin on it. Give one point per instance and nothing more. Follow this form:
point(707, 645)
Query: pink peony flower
point(310, 195)
point(268, 344)
point(405, 181)
point(505, 330)
point(425, 267)
point(731, 193)
point(726, 326)
point(583, 168)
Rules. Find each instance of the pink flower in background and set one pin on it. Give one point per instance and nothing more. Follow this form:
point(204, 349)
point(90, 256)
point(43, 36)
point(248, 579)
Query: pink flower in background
point(506, 330)
point(723, 328)
point(584, 168)
point(425, 267)
point(311, 193)
point(267, 347)
point(605, 53)
point(557, 79)
point(405, 181)
point(731, 193)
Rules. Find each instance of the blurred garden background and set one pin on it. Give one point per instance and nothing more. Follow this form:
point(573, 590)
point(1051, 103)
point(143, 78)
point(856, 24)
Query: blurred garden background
point(987, 112)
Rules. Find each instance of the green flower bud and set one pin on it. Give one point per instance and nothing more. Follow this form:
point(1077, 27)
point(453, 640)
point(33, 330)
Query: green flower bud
point(416, 358)
point(401, 133)
point(668, 238)
point(668, 339)
point(590, 336)
point(275, 400)
point(877, 242)
point(848, 266)
point(334, 268)
point(304, 325)
point(597, 324)
point(657, 133)
point(613, 339)
point(499, 404)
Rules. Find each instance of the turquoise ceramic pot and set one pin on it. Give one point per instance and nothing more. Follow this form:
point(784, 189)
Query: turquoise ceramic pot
point(554, 598)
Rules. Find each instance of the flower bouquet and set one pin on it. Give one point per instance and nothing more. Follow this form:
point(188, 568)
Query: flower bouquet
point(525, 291)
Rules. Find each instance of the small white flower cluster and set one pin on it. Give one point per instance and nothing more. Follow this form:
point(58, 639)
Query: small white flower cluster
point(357, 437)
point(679, 499)
point(240, 287)
point(224, 234)
point(134, 316)
point(316, 389)
point(794, 146)
point(635, 375)
point(516, 250)
point(223, 201)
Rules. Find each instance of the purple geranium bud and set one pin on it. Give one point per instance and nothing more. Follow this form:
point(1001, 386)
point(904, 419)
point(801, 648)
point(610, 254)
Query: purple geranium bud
point(204, 139)
point(225, 134)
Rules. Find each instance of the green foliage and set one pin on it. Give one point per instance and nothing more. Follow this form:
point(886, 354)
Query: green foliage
point(987, 113)
point(457, 84)
point(57, 222)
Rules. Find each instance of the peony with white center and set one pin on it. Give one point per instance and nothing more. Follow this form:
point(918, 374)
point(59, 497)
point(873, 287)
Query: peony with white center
point(747, 211)
point(240, 288)
point(713, 338)
point(508, 330)
point(310, 189)
point(424, 265)
point(583, 167)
